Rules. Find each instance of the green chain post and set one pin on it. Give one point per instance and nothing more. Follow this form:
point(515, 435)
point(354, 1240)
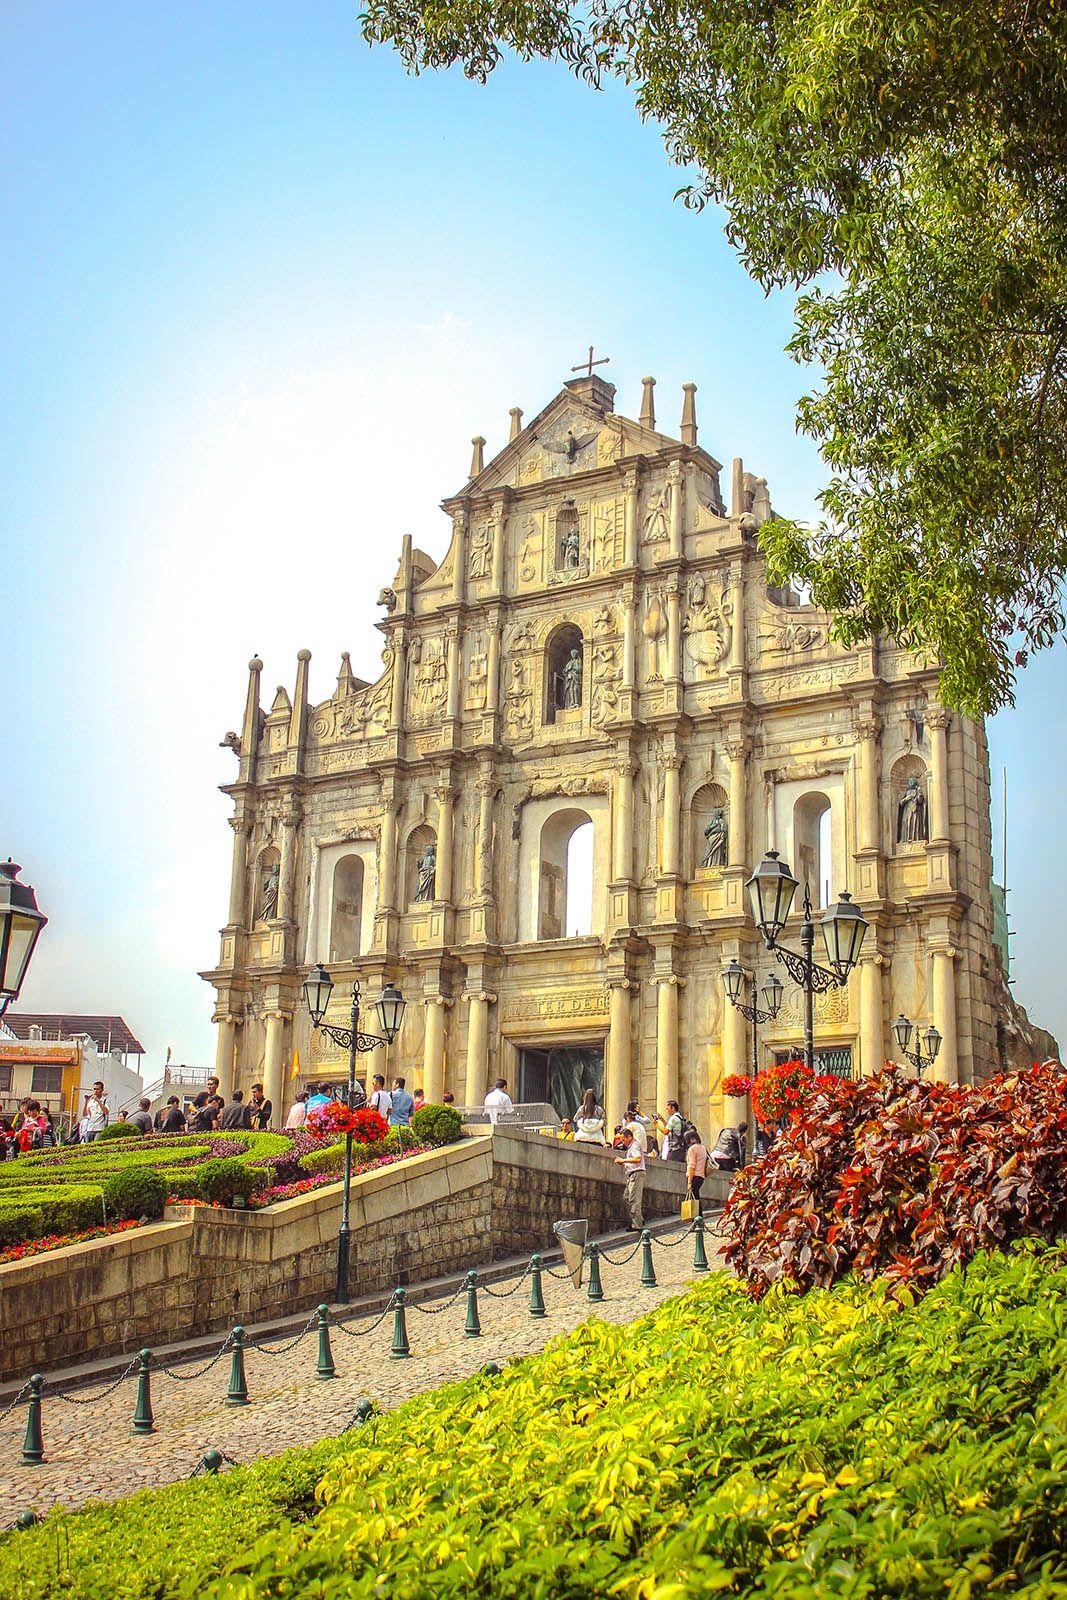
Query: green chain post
point(364, 1412)
point(472, 1328)
point(537, 1298)
point(648, 1270)
point(401, 1349)
point(211, 1461)
point(596, 1288)
point(700, 1255)
point(237, 1394)
point(325, 1367)
point(33, 1444)
point(143, 1420)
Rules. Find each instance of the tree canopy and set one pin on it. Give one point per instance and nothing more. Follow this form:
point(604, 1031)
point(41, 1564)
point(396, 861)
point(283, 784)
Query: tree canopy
point(903, 163)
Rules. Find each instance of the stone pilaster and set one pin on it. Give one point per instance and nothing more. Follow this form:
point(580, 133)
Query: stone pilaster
point(433, 1048)
point(668, 988)
point(620, 1050)
point(872, 1014)
point(225, 1047)
point(946, 1067)
point(273, 1064)
point(478, 1002)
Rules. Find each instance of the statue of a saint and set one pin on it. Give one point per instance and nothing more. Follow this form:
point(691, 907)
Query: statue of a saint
point(912, 823)
point(571, 547)
point(426, 866)
point(716, 840)
point(268, 891)
point(572, 682)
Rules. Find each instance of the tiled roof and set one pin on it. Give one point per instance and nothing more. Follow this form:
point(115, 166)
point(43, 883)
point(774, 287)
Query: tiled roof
point(58, 1025)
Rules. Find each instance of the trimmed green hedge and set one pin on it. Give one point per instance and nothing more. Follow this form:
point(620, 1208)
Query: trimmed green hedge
point(837, 1445)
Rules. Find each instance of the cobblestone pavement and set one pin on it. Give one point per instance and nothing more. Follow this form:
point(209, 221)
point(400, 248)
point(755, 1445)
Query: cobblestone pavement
point(92, 1455)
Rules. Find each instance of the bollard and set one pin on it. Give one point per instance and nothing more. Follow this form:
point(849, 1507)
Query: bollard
point(700, 1255)
point(648, 1270)
point(325, 1367)
point(33, 1444)
point(596, 1288)
point(490, 1370)
point(143, 1420)
point(211, 1461)
point(237, 1394)
point(472, 1328)
point(364, 1412)
point(537, 1299)
point(26, 1519)
point(401, 1349)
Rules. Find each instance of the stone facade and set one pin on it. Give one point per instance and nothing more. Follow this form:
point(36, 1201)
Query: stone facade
point(599, 645)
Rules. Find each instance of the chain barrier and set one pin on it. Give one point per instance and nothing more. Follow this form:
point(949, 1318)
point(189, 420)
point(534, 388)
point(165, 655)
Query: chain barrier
point(435, 1311)
point(503, 1294)
point(669, 1244)
point(359, 1333)
point(619, 1261)
point(189, 1377)
point(17, 1401)
point(91, 1400)
point(363, 1414)
point(552, 1273)
point(283, 1349)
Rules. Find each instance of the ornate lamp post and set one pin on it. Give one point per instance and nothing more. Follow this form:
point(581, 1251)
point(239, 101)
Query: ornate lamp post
point(771, 888)
point(930, 1037)
point(20, 927)
point(389, 1011)
point(734, 979)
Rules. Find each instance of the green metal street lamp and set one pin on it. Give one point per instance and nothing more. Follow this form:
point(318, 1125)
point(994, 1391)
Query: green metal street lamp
point(20, 928)
point(318, 986)
point(771, 889)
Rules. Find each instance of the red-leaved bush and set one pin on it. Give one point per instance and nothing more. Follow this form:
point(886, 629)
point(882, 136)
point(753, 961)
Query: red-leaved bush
point(896, 1176)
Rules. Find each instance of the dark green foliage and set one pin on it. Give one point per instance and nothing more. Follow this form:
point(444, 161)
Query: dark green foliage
point(119, 1130)
point(226, 1177)
point(137, 1192)
point(433, 1124)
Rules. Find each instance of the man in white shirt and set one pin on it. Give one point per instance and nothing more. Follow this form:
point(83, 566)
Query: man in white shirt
point(632, 1162)
point(498, 1100)
point(638, 1125)
point(381, 1100)
point(94, 1114)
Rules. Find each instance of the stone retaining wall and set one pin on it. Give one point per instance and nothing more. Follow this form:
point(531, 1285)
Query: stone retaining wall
point(202, 1269)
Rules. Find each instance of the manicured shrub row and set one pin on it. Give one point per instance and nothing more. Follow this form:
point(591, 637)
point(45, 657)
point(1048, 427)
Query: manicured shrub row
point(897, 1176)
point(840, 1444)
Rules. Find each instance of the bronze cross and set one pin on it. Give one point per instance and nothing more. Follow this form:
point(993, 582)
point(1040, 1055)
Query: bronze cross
point(588, 364)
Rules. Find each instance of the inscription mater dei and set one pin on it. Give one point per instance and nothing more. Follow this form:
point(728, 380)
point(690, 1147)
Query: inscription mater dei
point(565, 1003)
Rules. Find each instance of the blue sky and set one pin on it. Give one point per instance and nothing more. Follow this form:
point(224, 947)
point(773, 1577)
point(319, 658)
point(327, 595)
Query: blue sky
point(261, 288)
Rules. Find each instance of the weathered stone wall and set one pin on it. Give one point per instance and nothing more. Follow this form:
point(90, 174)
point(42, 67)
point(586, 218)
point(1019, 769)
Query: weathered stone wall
point(201, 1269)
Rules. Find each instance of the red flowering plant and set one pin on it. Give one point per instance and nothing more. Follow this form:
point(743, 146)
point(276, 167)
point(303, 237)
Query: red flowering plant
point(57, 1241)
point(784, 1089)
point(335, 1119)
point(737, 1084)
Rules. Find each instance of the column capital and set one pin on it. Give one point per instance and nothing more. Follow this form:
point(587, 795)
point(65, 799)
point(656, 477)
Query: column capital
point(937, 717)
point(481, 994)
point(446, 793)
point(738, 747)
point(670, 978)
point(620, 983)
point(241, 825)
point(442, 1000)
point(867, 725)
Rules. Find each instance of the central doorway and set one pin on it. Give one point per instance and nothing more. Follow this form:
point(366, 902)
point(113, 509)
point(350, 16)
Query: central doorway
point(560, 1077)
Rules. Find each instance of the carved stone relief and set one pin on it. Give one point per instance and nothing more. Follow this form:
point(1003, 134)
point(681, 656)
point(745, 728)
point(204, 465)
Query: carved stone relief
point(427, 680)
point(704, 628)
point(654, 628)
point(481, 550)
point(477, 675)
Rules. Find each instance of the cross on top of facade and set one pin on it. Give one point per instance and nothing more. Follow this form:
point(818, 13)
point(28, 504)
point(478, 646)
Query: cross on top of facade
point(588, 364)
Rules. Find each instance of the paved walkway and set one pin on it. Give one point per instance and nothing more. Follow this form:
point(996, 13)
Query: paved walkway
point(92, 1455)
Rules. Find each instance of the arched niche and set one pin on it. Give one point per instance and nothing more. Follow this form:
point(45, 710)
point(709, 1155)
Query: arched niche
point(908, 771)
point(558, 894)
point(421, 843)
point(563, 874)
point(266, 884)
point(709, 808)
point(325, 884)
point(568, 542)
point(813, 845)
point(346, 909)
point(564, 673)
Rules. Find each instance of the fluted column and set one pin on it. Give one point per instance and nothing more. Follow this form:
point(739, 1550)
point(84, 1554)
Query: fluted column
point(628, 643)
point(672, 804)
point(623, 852)
point(225, 1044)
point(239, 870)
point(477, 1046)
point(734, 1059)
point(272, 1064)
point(737, 750)
point(737, 619)
point(630, 520)
point(946, 1067)
point(674, 633)
point(483, 854)
point(872, 1038)
point(387, 855)
point(459, 570)
point(668, 989)
point(433, 1049)
point(287, 872)
point(452, 704)
point(938, 721)
point(868, 830)
point(492, 691)
point(398, 641)
point(446, 829)
point(617, 1091)
point(499, 529)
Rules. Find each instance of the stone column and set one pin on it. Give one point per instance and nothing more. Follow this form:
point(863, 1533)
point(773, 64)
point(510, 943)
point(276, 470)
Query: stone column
point(483, 851)
point(868, 830)
point(623, 853)
point(737, 750)
point(433, 1049)
point(239, 871)
point(627, 643)
point(938, 721)
point(676, 478)
point(671, 762)
point(452, 636)
point(946, 1068)
point(499, 529)
point(667, 1038)
point(735, 1058)
point(872, 1038)
point(459, 571)
point(674, 634)
point(617, 1089)
point(273, 1063)
point(492, 688)
point(225, 1043)
point(387, 855)
point(399, 643)
point(446, 828)
point(737, 619)
point(630, 519)
point(477, 1046)
point(287, 871)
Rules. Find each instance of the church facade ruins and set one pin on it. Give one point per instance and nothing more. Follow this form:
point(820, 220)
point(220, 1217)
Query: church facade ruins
point(599, 655)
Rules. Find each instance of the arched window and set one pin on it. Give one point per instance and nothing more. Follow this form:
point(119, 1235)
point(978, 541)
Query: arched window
point(346, 914)
point(421, 865)
point(565, 881)
point(268, 877)
point(813, 846)
point(564, 672)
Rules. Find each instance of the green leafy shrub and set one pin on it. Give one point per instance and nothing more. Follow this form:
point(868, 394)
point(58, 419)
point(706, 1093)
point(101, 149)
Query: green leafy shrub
point(433, 1124)
point(18, 1222)
point(330, 1159)
point(119, 1130)
point(835, 1445)
point(226, 1178)
point(138, 1192)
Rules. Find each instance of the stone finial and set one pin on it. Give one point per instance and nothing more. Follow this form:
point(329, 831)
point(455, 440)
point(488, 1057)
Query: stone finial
point(647, 418)
point(346, 678)
point(516, 422)
point(478, 457)
point(737, 488)
point(689, 414)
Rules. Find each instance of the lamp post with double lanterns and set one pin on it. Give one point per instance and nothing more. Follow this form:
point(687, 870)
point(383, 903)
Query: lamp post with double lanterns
point(771, 888)
point(389, 1011)
point(20, 928)
point(903, 1029)
point(734, 978)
